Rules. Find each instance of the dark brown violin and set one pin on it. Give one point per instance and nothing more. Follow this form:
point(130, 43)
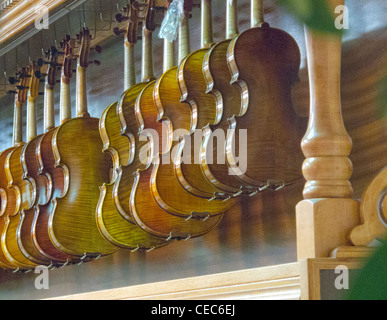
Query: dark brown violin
point(273, 130)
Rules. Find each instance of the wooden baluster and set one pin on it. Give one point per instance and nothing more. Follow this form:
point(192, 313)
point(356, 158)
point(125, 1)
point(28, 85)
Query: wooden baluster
point(328, 212)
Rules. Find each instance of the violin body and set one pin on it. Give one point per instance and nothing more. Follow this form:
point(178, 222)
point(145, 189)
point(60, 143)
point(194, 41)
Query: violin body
point(209, 111)
point(78, 152)
point(214, 161)
point(8, 206)
point(166, 188)
point(112, 224)
point(58, 186)
point(145, 210)
point(264, 63)
point(25, 194)
point(42, 190)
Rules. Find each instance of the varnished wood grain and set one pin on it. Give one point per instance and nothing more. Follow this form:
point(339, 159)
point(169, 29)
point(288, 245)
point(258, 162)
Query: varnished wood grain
point(217, 76)
point(181, 120)
point(24, 198)
point(78, 151)
point(112, 224)
point(8, 204)
point(145, 210)
point(59, 187)
point(273, 129)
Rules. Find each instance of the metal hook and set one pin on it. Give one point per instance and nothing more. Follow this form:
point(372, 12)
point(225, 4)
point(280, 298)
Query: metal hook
point(135, 249)
point(188, 237)
point(65, 264)
point(151, 249)
point(97, 257)
point(16, 270)
point(170, 236)
point(82, 259)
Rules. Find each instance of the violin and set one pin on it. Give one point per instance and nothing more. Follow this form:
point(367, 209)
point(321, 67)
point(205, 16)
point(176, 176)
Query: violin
point(147, 210)
point(77, 149)
point(217, 76)
point(209, 111)
point(112, 224)
point(45, 156)
point(25, 189)
point(8, 195)
point(181, 120)
point(31, 167)
point(127, 123)
point(274, 157)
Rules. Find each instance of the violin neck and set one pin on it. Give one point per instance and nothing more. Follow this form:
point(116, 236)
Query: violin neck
point(17, 123)
point(257, 13)
point(168, 58)
point(147, 59)
point(231, 19)
point(81, 100)
point(206, 21)
point(49, 104)
point(31, 119)
point(129, 66)
point(184, 43)
point(65, 100)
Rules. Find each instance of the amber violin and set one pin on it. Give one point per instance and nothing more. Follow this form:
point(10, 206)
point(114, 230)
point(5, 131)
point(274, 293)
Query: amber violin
point(122, 148)
point(217, 76)
point(209, 111)
point(31, 167)
point(145, 207)
point(181, 120)
point(8, 195)
point(25, 189)
point(45, 156)
point(77, 149)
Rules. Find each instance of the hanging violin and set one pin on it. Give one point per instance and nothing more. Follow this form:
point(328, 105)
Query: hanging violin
point(8, 195)
point(77, 149)
point(274, 157)
point(111, 222)
point(24, 189)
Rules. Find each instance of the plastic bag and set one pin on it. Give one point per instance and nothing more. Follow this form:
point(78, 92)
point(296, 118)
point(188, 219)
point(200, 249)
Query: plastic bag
point(171, 20)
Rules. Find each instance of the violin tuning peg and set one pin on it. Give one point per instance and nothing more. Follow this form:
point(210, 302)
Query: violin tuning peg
point(21, 87)
point(97, 49)
point(39, 75)
point(96, 62)
point(12, 80)
point(120, 18)
point(117, 31)
point(40, 62)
